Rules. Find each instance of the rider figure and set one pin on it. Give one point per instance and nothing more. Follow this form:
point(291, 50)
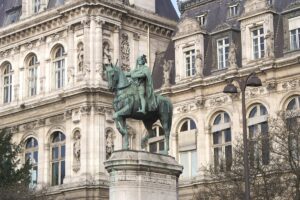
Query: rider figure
point(142, 75)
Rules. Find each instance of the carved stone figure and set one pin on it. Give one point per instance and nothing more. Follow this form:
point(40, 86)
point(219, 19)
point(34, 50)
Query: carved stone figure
point(76, 151)
point(142, 76)
point(167, 69)
point(127, 101)
point(109, 141)
point(270, 44)
point(232, 56)
point(199, 63)
point(71, 74)
point(80, 56)
point(107, 57)
point(76, 145)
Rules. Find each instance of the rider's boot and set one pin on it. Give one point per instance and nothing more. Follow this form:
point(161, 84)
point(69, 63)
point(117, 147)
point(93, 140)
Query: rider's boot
point(143, 105)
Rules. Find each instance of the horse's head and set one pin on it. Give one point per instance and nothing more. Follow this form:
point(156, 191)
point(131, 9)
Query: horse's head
point(112, 77)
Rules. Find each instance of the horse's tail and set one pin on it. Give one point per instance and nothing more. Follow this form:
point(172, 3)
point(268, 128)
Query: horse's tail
point(165, 108)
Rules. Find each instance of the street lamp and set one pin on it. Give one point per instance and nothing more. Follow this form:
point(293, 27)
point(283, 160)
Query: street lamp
point(252, 81)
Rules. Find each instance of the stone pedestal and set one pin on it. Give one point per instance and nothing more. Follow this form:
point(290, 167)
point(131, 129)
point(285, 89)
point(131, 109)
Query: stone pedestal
point(139, 175)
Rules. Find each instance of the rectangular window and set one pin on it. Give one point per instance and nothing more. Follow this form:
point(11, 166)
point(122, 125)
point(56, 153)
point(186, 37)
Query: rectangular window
point(7, 88)
point(202, 19)
point(233, 10)
point(190, 63)
point(295, 39)
point(258, 43)
point(189, 161)
point(32, 81)
point(59, 73)
point(223, 51)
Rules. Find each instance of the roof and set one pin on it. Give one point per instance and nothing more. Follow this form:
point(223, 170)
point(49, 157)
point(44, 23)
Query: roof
point(11, 10)
point(166, 9)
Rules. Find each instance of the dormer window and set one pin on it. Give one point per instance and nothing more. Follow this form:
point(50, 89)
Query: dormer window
point(233, 10)
point(36, 6)
point(202, 19)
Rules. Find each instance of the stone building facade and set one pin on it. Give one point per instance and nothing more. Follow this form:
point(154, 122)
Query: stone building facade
point(54, 96)
point(214, 42)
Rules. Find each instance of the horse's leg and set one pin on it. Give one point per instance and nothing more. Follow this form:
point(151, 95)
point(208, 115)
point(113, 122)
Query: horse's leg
point(148, 125)
point(121, 111)
point(122, 128)
point(166, 114)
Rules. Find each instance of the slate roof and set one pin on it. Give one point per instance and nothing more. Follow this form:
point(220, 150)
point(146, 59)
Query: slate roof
point(11, 10)
point(216, 12)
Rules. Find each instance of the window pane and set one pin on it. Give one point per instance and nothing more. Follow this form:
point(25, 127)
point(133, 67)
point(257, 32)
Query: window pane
point(217, 120)
point(184, 126)
point(253, 112)
point(55, 173)
point(184, 160)
point(263, 110)
point(227, 135)
point(153, 147)
point(217, 137)
point(63, 151)
point(153, 133)
point(226, 118)
point(54, 153)
point(292, 105)
point(161, 145)
point(35, 157)
point(217, 156)
point(161, 131)
point(228, 157)
point(193, 125)
point(194, 163)
point(62, 175)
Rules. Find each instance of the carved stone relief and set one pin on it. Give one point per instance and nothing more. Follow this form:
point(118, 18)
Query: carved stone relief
point(109, 143)
point(132, 137)
point(125, 52)
point(76, 151)
point(80, 57)
point(167, 69)
point(218, 101)
point(291, 84)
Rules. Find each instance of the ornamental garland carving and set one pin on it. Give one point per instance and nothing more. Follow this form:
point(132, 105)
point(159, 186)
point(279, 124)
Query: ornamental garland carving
point(109, 143)
point(184, 108)
point(292, 84)
point(125, 52)
point(218, 101)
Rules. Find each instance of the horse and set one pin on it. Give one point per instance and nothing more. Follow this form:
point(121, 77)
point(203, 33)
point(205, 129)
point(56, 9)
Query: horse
point(126, 104)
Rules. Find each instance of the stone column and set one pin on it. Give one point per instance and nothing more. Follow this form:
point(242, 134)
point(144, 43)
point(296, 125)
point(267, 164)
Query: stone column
point(99, 50)
point(116, 35)
point(139, 175)
point(87, 56)
point(71, 58)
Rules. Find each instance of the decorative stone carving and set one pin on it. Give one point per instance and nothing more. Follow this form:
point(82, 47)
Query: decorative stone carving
point(56, 119)
point(291, 84)
point(80, 57)
point(271, 86)
point(125, 52)
point(232, 56)
point(254, 92)
point(29, 126)
point(71, 74)
point(76, 151)
point(109, 143)
point(188, 26)
point(270, 44)
point(42, 122)
point(15, 129)
point(218, 101)
point(107, 55)
point(190, 106)
point(167, 69)
point(76, 116)
point(132, 137)
point(199, 63)
point(86, 109)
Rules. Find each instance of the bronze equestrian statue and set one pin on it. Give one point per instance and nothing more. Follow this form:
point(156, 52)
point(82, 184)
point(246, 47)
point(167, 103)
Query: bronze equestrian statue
point(135, 98)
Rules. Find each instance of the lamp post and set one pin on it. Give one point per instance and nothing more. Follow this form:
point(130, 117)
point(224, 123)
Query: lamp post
point(252, 81)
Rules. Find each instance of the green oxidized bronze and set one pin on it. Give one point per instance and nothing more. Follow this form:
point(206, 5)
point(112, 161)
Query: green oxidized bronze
point(135, 98)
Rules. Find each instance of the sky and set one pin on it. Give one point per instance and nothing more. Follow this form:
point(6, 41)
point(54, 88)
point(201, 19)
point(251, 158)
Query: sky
point(175, 6)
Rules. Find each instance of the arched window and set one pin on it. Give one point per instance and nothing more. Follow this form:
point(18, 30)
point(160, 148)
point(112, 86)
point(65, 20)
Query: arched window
point(157, 140)
point(7, 83)
point(58, 151)
point(292, 121)
point(59, 67)
point(187, 146)
point(294, 104)
point(31, 154)
point(259, 144)
point(32, 75)
point(222, 147)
